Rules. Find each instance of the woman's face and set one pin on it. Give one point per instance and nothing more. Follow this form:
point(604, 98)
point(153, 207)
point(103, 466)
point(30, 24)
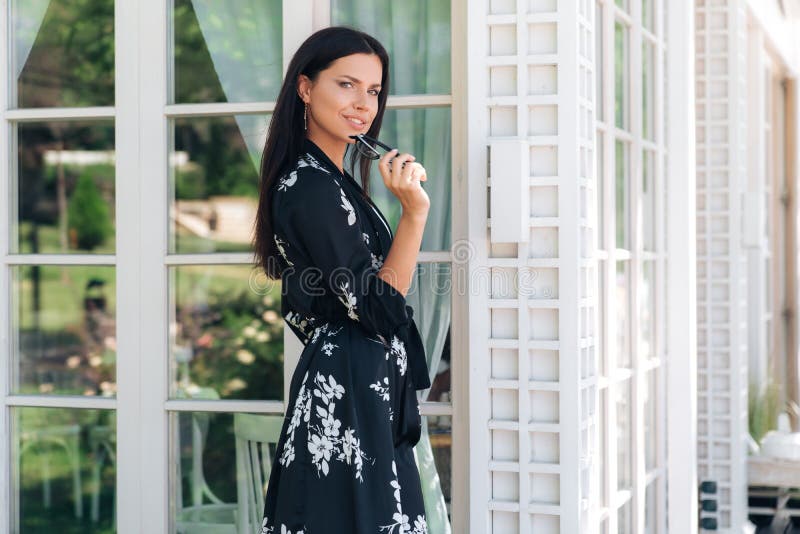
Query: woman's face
point(343, 100)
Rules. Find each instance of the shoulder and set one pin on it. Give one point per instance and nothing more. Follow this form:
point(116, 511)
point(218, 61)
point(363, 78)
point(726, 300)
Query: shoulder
point(306, 173)
point(310, 191)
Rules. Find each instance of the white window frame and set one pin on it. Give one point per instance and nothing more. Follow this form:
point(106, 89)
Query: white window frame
point(142, 114)
point(632, 136)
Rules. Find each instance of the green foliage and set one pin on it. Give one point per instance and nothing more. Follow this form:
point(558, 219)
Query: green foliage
point(88, 214)
point(764, 407)
point(237, 344)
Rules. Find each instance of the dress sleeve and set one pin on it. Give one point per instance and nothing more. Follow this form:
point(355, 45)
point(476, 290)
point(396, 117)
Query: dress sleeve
point(319, 220)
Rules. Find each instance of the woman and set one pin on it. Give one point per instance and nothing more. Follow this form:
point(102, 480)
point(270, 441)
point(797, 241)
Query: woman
point(344, 462)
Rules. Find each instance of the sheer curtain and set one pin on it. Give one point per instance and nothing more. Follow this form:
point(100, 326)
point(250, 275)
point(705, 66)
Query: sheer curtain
point(416, 33)
point(244, 39)
point(27, 19)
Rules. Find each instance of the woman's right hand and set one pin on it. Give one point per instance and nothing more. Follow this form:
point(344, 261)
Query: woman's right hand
point(404, 182)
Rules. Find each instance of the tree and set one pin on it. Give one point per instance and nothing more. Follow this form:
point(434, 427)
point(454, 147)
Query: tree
point(88, 216)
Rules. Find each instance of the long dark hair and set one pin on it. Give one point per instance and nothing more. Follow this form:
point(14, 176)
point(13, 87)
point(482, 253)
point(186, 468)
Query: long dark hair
point(286, 133)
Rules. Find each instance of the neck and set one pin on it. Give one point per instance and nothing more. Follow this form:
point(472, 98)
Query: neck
point(333, 148)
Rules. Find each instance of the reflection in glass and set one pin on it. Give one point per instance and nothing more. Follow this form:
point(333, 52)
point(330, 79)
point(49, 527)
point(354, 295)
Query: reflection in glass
point(648, 89)
point(64, 329)
point(226, 333)
point(650, 511)
point(429, 296)
point(621, 90)
point(648, 201)
point(434, 454)
point(214, 183)
point(625, 457)
point(599, 61)
point(651, 419)
point(603, 431)
point(647, 311)
point(621, 192)
point(623, 346)
point(66, 188)
point(599, 191)
point(227, 51)
point(64, 470)
point(203, 494)
point(425, 133)
point(625, 519)
point(419, 53)
point(63, 52)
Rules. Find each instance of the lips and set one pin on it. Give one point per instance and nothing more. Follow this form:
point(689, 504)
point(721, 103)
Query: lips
point(356, 122)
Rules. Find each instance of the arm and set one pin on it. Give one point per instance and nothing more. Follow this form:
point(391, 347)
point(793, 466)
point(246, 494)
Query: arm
point(402, 176)
point(401, 261)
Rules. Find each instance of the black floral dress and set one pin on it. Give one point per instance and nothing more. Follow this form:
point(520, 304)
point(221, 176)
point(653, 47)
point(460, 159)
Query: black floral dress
point(344, 461)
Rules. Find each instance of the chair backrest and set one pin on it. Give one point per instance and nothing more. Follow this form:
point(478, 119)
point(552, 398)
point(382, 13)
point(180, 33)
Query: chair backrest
point(254, 435)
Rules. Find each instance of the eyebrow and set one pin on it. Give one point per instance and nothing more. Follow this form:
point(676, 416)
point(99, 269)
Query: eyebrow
point(359, 81)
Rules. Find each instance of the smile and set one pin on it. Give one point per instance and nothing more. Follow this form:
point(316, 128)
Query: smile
point(355, 122)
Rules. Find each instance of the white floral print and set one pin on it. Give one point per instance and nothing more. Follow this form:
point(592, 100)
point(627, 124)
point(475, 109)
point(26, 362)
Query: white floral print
point(366, 237)
point(347, 206)
point(280, 243)
point(300, 322)
point(382, 389)
point(398, 349)
point(307, 160)
point(328, 347)
point(400, 519)
point(270, 530)
point(377, 261)
point(287, 181)
point(324, 441)
point(349, 300)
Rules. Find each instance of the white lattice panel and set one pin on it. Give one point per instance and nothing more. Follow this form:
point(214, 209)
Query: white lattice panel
point(541, 391)
point(721, 70)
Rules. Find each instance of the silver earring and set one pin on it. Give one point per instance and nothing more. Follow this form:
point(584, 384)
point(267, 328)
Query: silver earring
point(305, 112)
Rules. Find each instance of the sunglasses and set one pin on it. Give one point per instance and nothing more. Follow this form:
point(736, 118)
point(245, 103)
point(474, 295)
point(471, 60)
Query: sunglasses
point(367, 146)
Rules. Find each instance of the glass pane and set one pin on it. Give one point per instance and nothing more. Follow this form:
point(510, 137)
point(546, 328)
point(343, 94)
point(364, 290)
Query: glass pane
point(622, 3)
point(648, 89)
point(603, 291)
point(425, 133)
point(64, 329)
point(625, 456)
point(598, 61)
point(227, 51)
point(625, 518)
point(648, 201)
point(600, 192)
point(226, 333)
point(63, 53)
point(650, 511)
point(648, 13)
point(436, 476)
point(603, 430)
point(64, 471)
point(623, 317)
point(65, 188)
point(203, 478)
point(647, 312)
point(419, 53)
point(214, 183)
point(621, 90)
point(429, 296)
point(651, 419)
point(621, 193)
